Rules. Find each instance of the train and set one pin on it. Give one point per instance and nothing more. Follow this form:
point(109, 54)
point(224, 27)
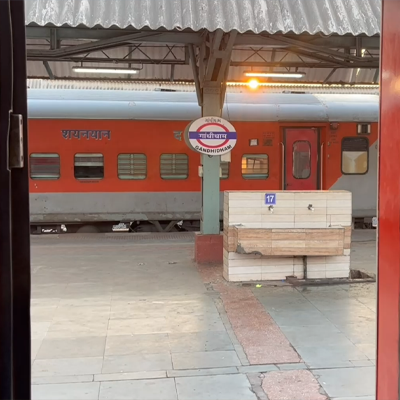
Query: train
point(99, 158)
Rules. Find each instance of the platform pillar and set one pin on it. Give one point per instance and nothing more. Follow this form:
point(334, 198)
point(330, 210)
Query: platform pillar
point(210, 62)
point(388, 371)
point(210, 183)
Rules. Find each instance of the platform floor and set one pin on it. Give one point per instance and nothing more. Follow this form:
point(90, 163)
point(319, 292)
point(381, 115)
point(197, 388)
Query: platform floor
point(132, 317)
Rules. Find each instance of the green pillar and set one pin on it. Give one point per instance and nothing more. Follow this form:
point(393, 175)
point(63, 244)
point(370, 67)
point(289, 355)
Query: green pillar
point(210, 194)
point(210, 187)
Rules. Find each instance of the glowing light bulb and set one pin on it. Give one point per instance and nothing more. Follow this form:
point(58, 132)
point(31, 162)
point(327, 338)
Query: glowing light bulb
point(254, 84)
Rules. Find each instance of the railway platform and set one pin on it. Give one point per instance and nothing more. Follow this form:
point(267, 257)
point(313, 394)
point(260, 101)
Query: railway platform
point(131, 316)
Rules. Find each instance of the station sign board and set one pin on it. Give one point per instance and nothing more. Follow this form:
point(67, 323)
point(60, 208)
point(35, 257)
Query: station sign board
point(212, 136)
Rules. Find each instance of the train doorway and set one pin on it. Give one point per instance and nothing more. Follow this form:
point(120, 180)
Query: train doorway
point(301, 159)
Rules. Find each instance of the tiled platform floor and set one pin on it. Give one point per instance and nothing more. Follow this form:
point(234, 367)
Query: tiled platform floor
point(117, 318)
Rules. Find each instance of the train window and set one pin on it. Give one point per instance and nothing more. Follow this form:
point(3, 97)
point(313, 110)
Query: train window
point(255, 166)
point(363, 129)
point(174, 166)
point(224, 170)
point(89, 166)
point(355, 155)
point(132, 166)
point(44, 166)
point(301, 159)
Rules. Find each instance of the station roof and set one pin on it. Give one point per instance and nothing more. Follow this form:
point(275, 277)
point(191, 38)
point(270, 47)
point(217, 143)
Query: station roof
point(355, 17)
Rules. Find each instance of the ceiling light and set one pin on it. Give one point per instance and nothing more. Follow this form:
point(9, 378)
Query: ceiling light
point(254, 84)
point(296, 75)
point(105, 70)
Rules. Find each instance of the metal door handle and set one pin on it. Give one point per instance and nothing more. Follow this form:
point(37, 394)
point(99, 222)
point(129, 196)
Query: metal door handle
point(322, 167)
point(283, 166)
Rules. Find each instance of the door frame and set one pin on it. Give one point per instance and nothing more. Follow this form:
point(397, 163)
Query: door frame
point(284, 170)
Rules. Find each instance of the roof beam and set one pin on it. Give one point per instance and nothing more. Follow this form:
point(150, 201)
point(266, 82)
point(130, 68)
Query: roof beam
point(336, 42)
point(112, 60)
point(92, 46)
point(247, 64)
point(299, 64)
point(246, 39)
point(313, 47)
point(48, 69)
point(35, 32)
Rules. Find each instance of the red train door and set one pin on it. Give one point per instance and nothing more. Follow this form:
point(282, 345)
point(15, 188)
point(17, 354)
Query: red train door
point(301, 159)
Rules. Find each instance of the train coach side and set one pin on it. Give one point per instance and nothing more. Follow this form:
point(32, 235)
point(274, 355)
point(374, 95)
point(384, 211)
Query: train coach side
point(98, 157)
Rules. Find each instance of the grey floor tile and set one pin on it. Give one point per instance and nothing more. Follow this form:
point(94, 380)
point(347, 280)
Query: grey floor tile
point(347, 382)
point(39, 330)
point(209, 359)
point(200, 341)
point(195, 323)
point(300, 318)
point(355, 398)
point(72, 347)
point(138, 326)
point(81, 312)
point(314, 335)
point(152, 389)
point(291, 366)
point(68, 366)
point(202, 372)
point(341, 317)
point(328, 356)
point(137, 344)
point(136, 363)
point(67, 391)
point(228, 387)
point(77, 328)
point(54, 380)
point(43, 313)
point(363, 363)
point(361, 333)
point(251, 369)
point(346, 303)
point(130, 376)
point(35, 346)
point(368, 349)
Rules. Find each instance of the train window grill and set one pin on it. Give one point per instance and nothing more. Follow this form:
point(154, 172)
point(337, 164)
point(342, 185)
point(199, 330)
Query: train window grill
point(301, 159)
point(355, 153)
point(89, 166)
point(364, 129)
point(224, 170)
point(174, 166)
point(255, 166)
point(44, 166)
point(132, 166)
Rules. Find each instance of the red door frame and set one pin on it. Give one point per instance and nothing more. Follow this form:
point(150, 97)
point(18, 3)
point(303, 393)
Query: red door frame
point(303, 133)
point(389, 207)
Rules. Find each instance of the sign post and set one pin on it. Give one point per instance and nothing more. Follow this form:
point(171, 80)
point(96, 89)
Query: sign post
point(211, 137)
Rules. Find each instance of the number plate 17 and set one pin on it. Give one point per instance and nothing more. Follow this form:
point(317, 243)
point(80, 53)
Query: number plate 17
point(270, 199)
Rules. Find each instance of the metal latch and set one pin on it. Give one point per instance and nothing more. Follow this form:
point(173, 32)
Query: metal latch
point(16, 142)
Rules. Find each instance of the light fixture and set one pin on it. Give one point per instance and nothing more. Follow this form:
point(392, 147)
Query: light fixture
point(254, 84)
point(102, 70)
point(296, 75)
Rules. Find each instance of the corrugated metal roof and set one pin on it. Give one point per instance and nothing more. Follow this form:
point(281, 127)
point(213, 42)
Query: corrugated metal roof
point(313, 16)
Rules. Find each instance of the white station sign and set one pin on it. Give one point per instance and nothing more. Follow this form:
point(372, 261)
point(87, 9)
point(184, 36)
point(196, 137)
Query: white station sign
point(212, 136)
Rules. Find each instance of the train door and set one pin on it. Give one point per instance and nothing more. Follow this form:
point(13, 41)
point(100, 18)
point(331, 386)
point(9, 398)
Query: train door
point(301, 159)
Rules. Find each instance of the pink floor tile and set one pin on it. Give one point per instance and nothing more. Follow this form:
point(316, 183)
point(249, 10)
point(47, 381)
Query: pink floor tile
point(292, 385)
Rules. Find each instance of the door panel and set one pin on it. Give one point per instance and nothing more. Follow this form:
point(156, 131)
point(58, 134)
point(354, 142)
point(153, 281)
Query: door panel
point(301, 159)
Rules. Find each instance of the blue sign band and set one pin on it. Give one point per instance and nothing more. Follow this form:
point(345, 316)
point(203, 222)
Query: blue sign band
point(213, 135)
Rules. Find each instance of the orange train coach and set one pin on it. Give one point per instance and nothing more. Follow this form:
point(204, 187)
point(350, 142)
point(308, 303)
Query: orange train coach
point(98, 158)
